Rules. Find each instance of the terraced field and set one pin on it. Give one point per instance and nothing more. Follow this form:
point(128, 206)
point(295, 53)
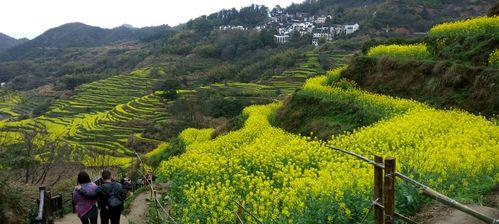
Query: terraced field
point(291, 80)
point(100, 118)
point(8, 101)
point(250, 93)
point(14, 105)
point(108, 131)
point(103, 95)
point(340, 57)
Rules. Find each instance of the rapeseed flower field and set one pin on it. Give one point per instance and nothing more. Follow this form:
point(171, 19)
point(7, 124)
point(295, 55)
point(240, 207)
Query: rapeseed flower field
point(287, 178)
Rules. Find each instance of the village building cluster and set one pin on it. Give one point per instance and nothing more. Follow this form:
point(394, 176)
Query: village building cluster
point(304, 24)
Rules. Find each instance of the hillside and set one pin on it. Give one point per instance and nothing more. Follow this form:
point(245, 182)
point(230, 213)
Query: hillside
point(78, 35)
point(453, 68)
point(402, 17)
point(66, 49)
point(8, 42)
point(238, 126)
point(279, 176)
point(110, 119)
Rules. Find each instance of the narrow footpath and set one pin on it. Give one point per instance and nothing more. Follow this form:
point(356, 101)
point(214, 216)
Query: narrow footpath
point(440, 214)
point(137, 213)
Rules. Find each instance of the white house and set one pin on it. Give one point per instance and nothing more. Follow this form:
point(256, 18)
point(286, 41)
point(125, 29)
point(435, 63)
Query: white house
point(315, 42)
point(231, 28)
point(260, 28)
point(349, 29)
point(303, 32)
point(321, 20)
point(3, 84)
point(281, 31)
point(318, 35)
point(282, 39)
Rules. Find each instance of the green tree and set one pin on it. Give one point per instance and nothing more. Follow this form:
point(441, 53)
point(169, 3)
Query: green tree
point(169, 89)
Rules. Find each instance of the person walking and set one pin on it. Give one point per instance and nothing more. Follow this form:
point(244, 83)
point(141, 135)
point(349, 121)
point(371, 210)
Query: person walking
point(112, 198)
point(85, 208)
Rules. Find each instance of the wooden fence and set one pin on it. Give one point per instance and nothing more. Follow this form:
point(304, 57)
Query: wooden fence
point(48, 207)
point(385, 176)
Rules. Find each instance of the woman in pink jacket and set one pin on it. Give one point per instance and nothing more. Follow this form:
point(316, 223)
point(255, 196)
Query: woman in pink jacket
point(85, 208)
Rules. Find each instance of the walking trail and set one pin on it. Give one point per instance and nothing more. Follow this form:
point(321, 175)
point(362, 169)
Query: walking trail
point(137, 213)
point(439, 214)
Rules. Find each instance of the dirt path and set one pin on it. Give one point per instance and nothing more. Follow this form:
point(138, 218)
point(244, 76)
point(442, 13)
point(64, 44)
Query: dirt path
point(73, 219)
point(139, 207)
point(440, 214)
point(137, 213)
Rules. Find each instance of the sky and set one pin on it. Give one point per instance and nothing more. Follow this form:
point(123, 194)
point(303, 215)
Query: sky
point(30, 18)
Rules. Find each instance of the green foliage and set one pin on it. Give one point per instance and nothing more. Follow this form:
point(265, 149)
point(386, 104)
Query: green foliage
point(309, 116)
point(219, 106)
point(233, 124)
point(13, 206)
point(494, 59)
point(71, 81)
point(42, 108)
point(250, 16)
point(494, 11)
point(169, 89)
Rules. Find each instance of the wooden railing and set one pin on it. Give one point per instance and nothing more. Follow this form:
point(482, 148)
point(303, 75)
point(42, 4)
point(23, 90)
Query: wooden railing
point(384, 191)
point(48, 207)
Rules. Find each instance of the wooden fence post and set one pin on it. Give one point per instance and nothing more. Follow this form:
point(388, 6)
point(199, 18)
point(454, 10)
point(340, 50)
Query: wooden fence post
point(378, 191)
point(49, 208)
point(389, 190)
point(58, 205)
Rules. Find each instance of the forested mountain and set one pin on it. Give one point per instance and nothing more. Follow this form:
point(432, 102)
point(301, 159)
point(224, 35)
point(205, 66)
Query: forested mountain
point(375, 16)
point(71, 48)
point(396, 15)
point(8, 42)
point(250, 16)
point(79, 35)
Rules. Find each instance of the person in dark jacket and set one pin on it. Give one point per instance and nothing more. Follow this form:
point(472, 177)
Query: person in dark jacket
point(111, 196)
point(127, 187)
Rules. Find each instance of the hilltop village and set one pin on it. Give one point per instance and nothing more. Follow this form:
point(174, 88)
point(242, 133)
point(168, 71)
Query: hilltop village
point(320, 27)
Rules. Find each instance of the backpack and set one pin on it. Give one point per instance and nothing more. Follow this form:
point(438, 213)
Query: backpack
point(113, 200)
